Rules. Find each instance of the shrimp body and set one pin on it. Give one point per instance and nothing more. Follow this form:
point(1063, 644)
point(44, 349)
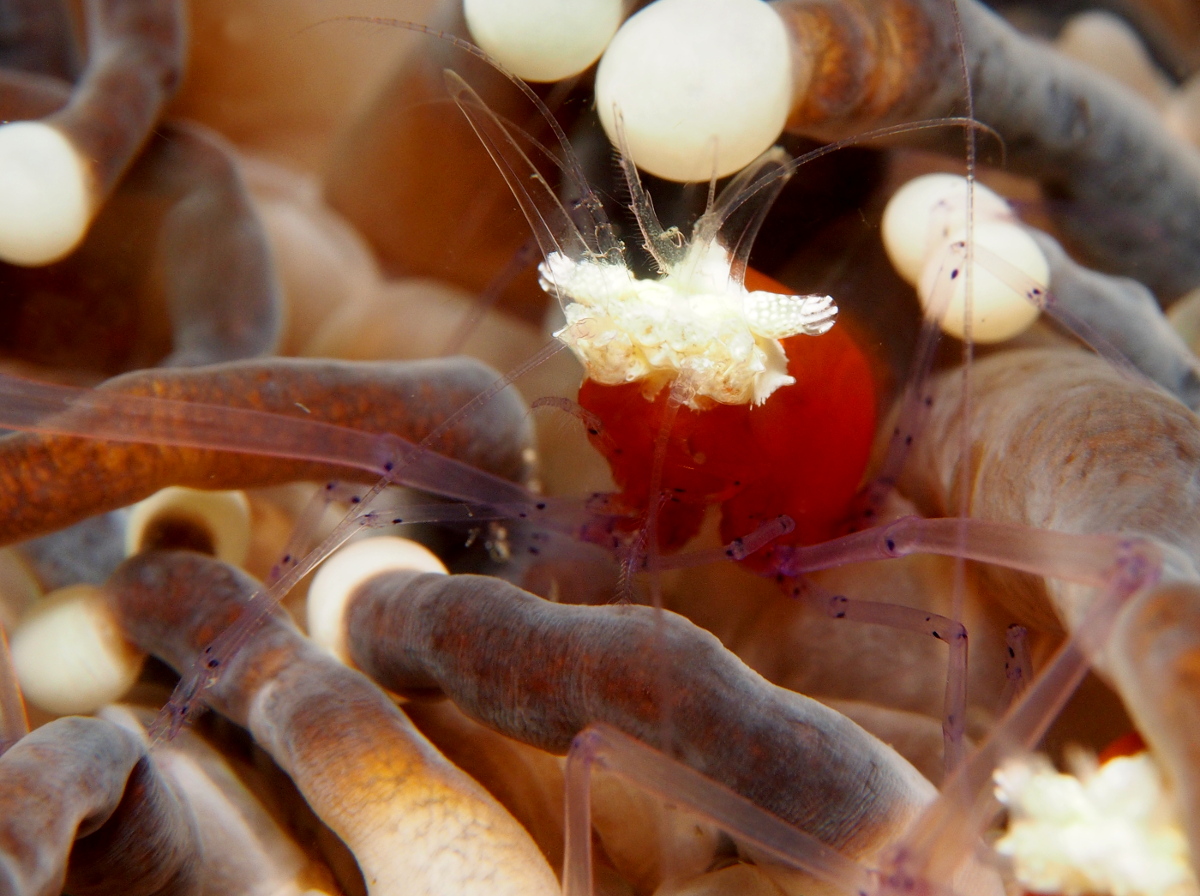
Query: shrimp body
point(694, 322)
point(722, 430)
point(773, 422)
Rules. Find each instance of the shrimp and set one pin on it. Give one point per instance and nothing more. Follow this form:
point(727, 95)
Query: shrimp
point(676, 366)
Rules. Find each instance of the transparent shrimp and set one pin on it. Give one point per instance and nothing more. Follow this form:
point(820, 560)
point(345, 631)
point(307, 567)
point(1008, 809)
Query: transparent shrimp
point(668, 251)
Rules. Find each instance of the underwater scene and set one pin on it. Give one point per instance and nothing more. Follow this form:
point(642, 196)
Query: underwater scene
point(685, 448)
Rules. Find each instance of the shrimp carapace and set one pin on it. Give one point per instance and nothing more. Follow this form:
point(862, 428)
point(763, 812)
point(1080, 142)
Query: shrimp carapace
point(802, 452)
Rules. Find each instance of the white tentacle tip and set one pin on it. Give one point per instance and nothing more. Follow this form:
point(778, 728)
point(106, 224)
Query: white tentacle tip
point(924, 230)
point(543, 40)
point(1002, 289)
point(69, 654)
point(46, 200)
point(704, 86)
point(929, 210)
point(340, 576)
point(216, 522)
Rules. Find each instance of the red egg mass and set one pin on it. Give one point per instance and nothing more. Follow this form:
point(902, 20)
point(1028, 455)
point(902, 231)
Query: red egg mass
point(800, 453)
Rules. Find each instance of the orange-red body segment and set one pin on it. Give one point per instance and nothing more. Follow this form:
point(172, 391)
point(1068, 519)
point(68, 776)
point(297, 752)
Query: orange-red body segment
point(801, 453)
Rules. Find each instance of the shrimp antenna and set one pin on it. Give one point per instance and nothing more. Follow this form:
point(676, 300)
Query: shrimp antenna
point(726, 208)
point(763, 179)
point(666, 246)
point(600, 225)
point(552, 224)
